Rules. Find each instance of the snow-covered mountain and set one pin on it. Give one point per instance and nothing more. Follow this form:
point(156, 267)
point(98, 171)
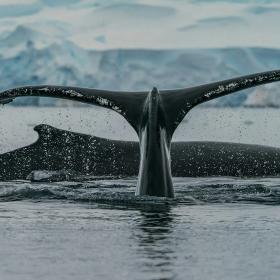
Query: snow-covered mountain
point(64, 63)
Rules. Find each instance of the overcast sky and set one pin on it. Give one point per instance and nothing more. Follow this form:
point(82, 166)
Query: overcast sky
point(107, 24)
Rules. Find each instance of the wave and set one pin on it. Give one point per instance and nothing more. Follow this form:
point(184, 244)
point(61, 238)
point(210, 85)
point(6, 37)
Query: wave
point(121, 191)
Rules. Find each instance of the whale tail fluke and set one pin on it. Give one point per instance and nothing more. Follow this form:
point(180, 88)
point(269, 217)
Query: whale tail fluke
point(175, 103)
point(154, 115)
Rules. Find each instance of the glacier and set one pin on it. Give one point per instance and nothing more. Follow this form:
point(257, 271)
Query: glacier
point(27, 58)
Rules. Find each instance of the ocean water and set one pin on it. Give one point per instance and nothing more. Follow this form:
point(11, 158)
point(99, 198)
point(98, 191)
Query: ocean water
point(215, 228)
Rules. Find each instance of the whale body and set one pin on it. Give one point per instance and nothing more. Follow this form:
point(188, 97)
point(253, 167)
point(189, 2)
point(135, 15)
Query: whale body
point(82, 154)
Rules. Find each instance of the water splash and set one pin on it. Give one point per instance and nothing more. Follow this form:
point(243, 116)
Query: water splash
point(121, 191)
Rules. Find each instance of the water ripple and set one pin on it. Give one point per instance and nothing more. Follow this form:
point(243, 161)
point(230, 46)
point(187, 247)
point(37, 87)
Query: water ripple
point(121, 191)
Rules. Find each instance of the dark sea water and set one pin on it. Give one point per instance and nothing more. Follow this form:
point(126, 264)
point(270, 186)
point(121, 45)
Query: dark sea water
point(215, 228)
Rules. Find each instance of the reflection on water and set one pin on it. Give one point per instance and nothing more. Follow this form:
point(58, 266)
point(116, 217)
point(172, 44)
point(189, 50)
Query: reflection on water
point(155, 245)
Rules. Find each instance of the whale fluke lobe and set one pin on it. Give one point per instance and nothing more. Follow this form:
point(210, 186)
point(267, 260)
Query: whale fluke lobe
point(128, 104)
point(180, 101)
point(154, 115)
point(5, 101)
